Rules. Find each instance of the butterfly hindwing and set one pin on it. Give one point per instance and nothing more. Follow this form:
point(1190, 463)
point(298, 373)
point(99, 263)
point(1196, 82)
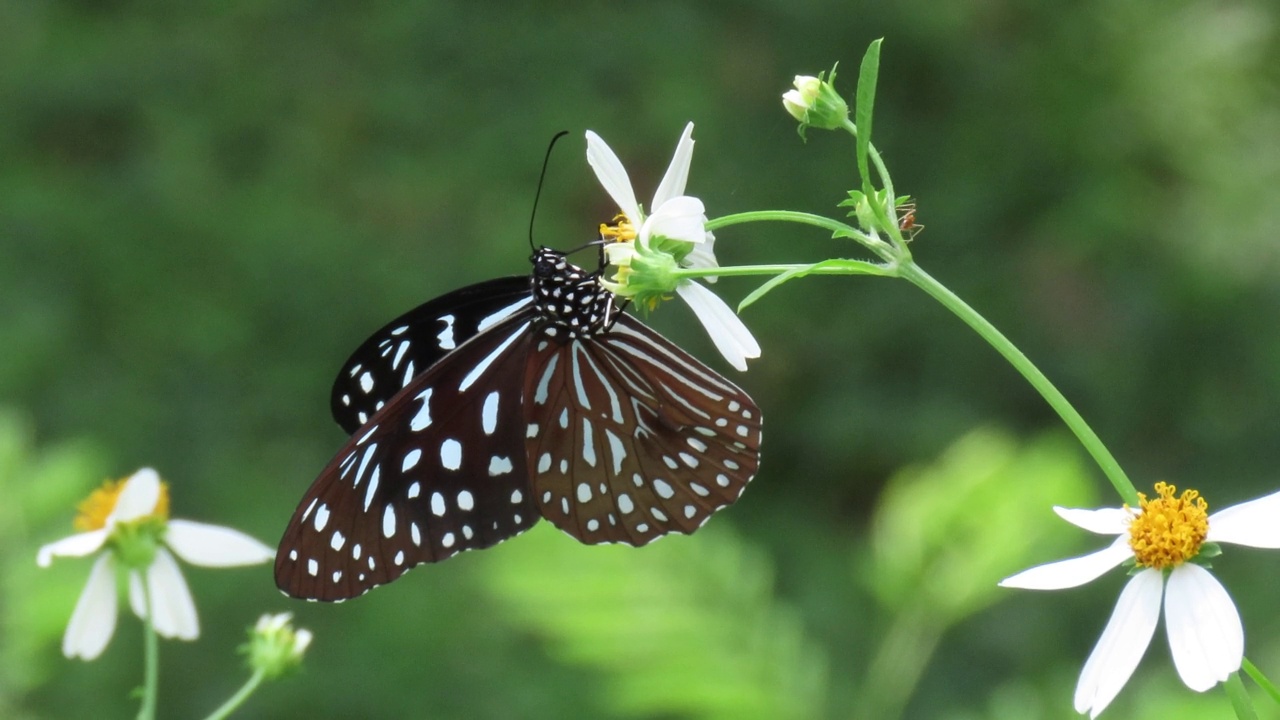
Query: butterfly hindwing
point(438, 470)
point(632, 438)
point(407, 346)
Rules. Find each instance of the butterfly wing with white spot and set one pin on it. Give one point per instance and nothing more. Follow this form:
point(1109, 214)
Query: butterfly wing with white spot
point(440, 469)
point(634, 437)
point(418, 339)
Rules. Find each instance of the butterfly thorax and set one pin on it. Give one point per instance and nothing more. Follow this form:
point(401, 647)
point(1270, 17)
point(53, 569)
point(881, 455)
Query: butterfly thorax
point(570, 302)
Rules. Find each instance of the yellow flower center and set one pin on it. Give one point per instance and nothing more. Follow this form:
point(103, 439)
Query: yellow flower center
point(621, 230)
point(1170, 530)
point(93, 510)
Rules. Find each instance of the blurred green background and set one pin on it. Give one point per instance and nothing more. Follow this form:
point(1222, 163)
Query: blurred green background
point(204, 206)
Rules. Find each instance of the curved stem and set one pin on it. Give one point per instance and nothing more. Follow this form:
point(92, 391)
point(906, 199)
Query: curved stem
point(843, 267)
point(238, 699)
point(151, 658)
point(1056, 399)
point(835, 226)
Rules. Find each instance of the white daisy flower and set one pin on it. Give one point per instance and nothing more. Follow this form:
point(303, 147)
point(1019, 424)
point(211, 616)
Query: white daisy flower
point(675, 231)
point(1206, 638)
point(127, 522)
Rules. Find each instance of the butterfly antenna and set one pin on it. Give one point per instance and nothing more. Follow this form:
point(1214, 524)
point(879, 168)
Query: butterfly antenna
point(542, 178)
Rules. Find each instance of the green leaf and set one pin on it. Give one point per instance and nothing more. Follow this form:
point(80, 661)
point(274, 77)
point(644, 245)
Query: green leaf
point(856, 266)
point(862, 112)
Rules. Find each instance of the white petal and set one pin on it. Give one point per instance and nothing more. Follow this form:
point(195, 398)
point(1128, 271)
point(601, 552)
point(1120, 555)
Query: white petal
point(173, 612)
point(1122, 645)
point(139, 497)
point(94, 619)
point(613, 177)
point(1205, 635)
point(1073, 572)
point(677, 174)
point(731, 337)
point(703, 255)
point(137, 601)
point(1252, 523)
point(1104, 521)
point(77, 545)
point(683, 218)
point(214, 545)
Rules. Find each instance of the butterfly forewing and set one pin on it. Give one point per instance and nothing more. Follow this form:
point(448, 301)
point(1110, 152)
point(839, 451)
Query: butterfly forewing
point(440, 469)
point(407, 346)
point(631, 438)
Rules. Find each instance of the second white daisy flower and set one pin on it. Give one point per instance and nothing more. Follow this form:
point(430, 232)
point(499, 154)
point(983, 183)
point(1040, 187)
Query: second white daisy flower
point(1164, 539)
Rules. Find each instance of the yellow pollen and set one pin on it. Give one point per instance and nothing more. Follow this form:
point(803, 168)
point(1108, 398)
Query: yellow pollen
point(620, 231)
point(93, 510)
point(1170, 530)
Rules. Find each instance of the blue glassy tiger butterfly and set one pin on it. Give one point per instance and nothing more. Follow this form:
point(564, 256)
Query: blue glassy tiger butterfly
point(483, 410)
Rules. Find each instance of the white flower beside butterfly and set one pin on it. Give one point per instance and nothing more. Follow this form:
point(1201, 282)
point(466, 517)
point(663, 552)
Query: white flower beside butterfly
point(673, 235)
point(127, 522)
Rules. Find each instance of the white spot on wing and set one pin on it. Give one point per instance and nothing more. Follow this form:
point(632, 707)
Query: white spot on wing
point(388, 524)
point(410, 460)
point(484, 364)
point(588, 443)
point(446, 335)
point(500, 466)
point(322, 517)
point(489, 415)
point(451, 454)
point(663, 488)
point(503, 314)
point(540, 394)
point(422, 420)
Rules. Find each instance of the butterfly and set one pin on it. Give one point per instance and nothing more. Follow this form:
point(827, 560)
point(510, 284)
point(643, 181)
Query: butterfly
point(486, 409)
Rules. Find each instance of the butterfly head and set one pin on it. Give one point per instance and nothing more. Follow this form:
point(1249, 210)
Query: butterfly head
point(570, 301)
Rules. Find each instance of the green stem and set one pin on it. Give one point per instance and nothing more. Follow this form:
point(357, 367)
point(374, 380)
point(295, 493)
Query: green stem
point(1240, 701)
point(890, 223)
point(238, 699)
point(835, 226)
point(1263, 682)
point(151, 658)
point(846, 267)
point(899, 264)
point(1088, 438)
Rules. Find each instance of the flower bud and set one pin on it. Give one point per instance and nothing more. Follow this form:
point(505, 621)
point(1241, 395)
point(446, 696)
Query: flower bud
point(275, 648)
point(816, 103)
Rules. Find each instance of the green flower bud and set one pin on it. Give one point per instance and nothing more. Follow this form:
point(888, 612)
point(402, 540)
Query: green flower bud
point(815, 102)
point(275, 648)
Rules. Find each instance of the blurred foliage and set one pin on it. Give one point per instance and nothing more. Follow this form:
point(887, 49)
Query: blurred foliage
point(205, 205)
point(695, 618)
point(38, 487)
